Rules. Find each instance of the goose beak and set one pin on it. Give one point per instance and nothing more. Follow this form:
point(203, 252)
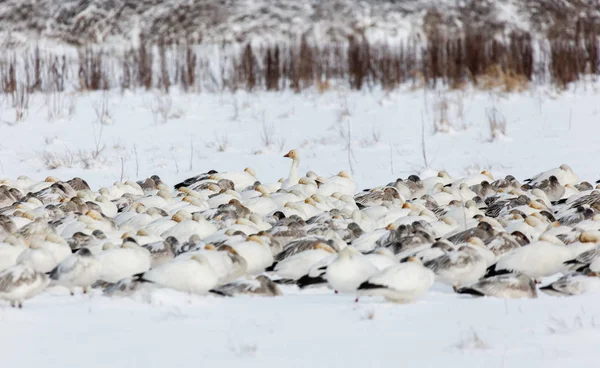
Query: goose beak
point(287, 155)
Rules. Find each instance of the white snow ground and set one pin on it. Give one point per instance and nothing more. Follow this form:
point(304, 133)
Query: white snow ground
point(315, 328)
point(544, 129)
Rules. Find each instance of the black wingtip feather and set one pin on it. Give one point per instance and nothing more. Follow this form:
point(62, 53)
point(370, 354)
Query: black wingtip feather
point(306, 280)
point(218, 292)
point(368, 286)
point(492, 271)
point(467, 290)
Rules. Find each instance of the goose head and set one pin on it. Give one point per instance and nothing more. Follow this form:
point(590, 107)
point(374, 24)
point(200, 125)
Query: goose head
point(488, 174)
point(414, 260)
point(293, 154)
point(344, 174)
point(590, 237)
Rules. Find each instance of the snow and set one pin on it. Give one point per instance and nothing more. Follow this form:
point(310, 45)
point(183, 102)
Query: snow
point(226, 131)
point(314, 328)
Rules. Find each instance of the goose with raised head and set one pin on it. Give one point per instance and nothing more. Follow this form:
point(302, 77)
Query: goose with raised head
point(293, 177)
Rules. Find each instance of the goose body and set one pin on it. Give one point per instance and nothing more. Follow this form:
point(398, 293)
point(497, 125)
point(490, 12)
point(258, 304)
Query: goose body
point(537, 260)
point(78, 270)
point(349, 270)
point(119, 263)
point(192, 275)
point(402, 283)
point(21, 282)
point(507, 286)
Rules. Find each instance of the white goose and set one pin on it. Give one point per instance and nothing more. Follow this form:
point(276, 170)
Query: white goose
point(195, 226)
point(226, 262)
point(78, 270)
point(349, 270)
point(299, 264)
point(21, 282)
point(128, 260)
point(191, 275)
point(402, 283)
point(341, 183)
point(256, 252)
point(10, 250)
point(293, 177)
point(537, 260)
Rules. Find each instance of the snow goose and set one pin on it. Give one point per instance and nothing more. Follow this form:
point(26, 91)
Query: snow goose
point(223, 197)
point(574, 283)
point(162, 251)
point(297, 265)
point(293, 177)
point(44, 255)
point(474, 179)
point(442, 177)
point(307, 186)
point(240, 179)
point(552, 188)
point(341, 183)
point(259, 286)
point(256, 252)
point(376, 198)
point(483, 231)
point(445, 226)
point(304, 244)
point(507, 286)
point(503, 243)
point(186, 228)
point(128, 260)
point(21, 282)
point(262, 205)
point(564, 174)
point(464, 266)
point(537, 260)
point(349, 270)
point(190, 275)
point(108, 208)
point(80, 269)
point(400, 283)
point(10, 250)
point(225, 261)
point(382, 258)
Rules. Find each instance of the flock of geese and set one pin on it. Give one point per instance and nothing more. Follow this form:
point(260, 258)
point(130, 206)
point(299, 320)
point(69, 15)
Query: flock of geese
point(228, 234)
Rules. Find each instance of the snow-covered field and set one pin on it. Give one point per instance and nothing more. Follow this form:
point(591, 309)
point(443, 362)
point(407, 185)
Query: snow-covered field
point(316, 329)
point(378, 136)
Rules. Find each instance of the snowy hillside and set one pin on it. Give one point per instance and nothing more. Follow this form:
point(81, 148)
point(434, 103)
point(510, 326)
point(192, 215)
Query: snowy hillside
point(82, 21)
